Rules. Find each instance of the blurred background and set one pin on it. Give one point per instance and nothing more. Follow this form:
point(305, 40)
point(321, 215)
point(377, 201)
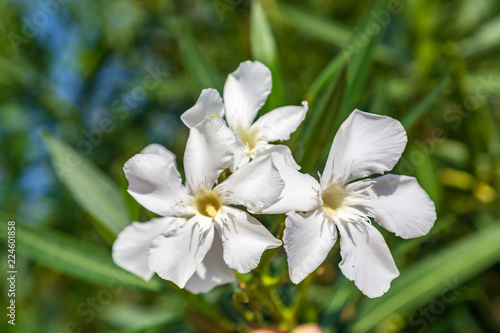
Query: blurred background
point(85, 85)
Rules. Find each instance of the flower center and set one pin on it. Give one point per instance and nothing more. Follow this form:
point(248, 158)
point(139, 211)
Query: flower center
point(208, 203)
point(249, 138)
point(333, 198)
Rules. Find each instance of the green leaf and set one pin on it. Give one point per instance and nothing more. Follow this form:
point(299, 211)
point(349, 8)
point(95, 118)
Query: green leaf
point(412, 116)
point(93, 190)
point(310, 24)
point(70, 256)
point(331, 71)
point(264, 49)
point(201, 70)
point(426, 175)
point(319, 135)
point(486, 39)
point(360, 60)
point(323, 29)
point(428, 278)
point(133, 318)
point(323, 86)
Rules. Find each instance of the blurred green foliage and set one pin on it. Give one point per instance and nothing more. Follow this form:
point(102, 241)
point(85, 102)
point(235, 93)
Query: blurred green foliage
point(109, 77)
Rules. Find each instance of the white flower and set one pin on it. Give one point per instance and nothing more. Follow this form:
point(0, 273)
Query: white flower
point(245, 92)
point(365, 144)
point(193, 255)
point(131, 248)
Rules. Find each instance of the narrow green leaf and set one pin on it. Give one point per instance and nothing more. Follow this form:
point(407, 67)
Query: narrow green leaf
point(311, 24)
point(380, 101)
point(201, 70)
point(69, 255)
point(318, 139)
point(331, 70)
point(323, 29)
point(264, 49)
point(426, 174)
point(93, 190)
point(128, 318)
point(412, 116)
point(325, 81)
point(428, 278)
point(360, 60)
point(486, 39)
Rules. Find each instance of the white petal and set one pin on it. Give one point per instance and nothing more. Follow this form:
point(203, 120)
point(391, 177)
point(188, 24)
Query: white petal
point(244, 239)
point(256, 185)
point(401, 206)
point(366, 259)
point(245, 92)
point(240, 158)
point(158, 149)
point(307, 239)
point(212, 271)
point(365, 144)
point(156, 184)
point(209, 150)
point(280, 149)
point(278, 124)
point(131, 247)
point(208, 105)
point(175, 255)
point(301, 191)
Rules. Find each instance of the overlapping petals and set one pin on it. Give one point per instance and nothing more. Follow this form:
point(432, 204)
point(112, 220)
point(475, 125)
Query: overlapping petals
point(366, 144)
point(156, 184)
point(202, 238)
point(131, 248)
point(244, 239)
point(209, 105)
point(209, 150)
point(245, 92)
point(192, 254)
point(176, 255)
point(278, 124)
point(257, 185)
point(212, 271)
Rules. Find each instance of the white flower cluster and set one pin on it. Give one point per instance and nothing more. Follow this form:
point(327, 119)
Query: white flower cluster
point(201, 237)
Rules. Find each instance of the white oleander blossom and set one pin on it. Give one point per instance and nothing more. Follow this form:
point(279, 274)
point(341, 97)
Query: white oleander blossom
point(189, 252)
point(245, 92)
point(366, 144)
point(131, 248)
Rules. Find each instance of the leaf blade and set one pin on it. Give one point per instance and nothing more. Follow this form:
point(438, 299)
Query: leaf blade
point(90, 187)
point(421, 283)
point(68, 255)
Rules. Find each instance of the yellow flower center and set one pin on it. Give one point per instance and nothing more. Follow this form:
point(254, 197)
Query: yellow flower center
point(333, 197)
point(249, 138)
point(208, 203)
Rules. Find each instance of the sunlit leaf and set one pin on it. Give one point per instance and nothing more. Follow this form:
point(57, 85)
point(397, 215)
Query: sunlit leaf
point(69, 255)
point(486, 39)
point(93, 190)
point(264, 49)
point(425, 280)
